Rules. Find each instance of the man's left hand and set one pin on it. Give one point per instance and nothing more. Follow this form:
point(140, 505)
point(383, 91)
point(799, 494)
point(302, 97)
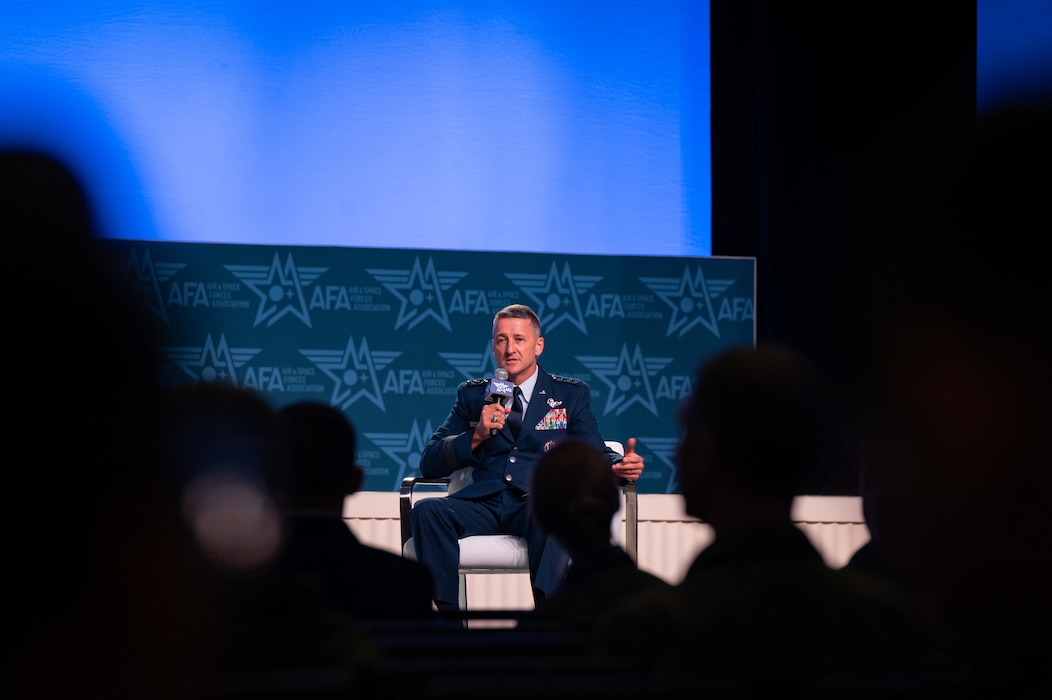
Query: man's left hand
point(632, 465)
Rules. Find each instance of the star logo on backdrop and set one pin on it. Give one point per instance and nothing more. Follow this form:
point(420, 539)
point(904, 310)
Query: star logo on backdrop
point(664, 448)
point(420, 290)
point(146, 277)
point(404, 448)
point(353, 371)
point(471, 364)
point(211, 361)
point(628, 377)
point(691, 299)
point(279, 287)
point(556, 295)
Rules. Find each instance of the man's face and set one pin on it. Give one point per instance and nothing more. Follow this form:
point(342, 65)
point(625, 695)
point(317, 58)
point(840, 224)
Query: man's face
point(516, 347)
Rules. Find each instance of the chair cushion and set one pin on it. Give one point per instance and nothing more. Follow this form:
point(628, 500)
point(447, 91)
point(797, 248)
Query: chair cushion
point(493, 552)
point(485, 552)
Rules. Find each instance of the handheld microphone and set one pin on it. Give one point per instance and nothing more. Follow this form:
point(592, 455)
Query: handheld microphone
point(499, 391)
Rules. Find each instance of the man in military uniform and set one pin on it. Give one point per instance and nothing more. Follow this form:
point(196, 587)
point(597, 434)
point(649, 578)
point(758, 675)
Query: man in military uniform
point(487, 435)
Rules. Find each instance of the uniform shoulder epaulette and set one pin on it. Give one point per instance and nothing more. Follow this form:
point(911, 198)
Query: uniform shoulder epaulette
point(476, 382)
point(567, 380)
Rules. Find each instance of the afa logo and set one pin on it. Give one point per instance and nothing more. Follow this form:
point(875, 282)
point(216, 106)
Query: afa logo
point(664, 449)
point(556, 295)
point(279, 287)
point(472, 365)
point(210, 361)
point(405, 449)
point(354, 370)
point(421, 291)
point(693, 299)
point(146, 278)
point(628, 376)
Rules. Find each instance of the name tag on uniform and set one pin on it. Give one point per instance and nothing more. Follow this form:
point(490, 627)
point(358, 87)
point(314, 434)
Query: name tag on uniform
point(554, 419)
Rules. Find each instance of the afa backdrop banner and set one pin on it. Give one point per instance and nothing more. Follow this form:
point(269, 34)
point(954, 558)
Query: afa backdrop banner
point(388, 334)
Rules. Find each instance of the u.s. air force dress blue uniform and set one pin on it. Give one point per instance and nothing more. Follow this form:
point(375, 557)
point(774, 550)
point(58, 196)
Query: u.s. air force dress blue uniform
point(493, 501)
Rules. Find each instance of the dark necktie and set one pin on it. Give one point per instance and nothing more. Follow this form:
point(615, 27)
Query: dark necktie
point(515, 417)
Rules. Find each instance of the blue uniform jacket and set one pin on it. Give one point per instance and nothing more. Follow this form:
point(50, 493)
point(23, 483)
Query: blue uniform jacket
point(560, 409)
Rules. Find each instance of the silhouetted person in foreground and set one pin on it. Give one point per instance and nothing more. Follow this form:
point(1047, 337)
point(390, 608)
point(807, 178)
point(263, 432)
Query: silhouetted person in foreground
point(953, 347)
point(224, 446)
point(369, 583)
point(96, 566)
point(872, 556)
point(574, 497)
point(759, 599)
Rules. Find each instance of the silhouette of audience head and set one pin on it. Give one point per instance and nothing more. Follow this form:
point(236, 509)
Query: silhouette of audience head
point(95, 561)
point(574, 496)
point(752, 431)
point(370, 584)
point(322, 444)
point(226, 448)
point(759, 601)
point(953, 345)
point(85, 317)
point(222, 447)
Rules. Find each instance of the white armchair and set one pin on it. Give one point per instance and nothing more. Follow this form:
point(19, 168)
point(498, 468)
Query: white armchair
point(504, 554)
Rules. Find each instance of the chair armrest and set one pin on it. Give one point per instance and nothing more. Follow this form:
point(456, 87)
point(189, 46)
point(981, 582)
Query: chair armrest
point(405, 500)
point(631, 519)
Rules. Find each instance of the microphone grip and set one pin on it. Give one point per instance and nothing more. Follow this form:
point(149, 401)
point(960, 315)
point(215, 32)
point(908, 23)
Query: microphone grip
point(493, 431)
point(498, 390)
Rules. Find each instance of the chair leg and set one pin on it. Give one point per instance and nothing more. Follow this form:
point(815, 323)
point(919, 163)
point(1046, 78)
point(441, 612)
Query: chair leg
point(462, 591)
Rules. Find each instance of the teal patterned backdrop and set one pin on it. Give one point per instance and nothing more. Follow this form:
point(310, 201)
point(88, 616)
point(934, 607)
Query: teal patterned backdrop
point(388, 334)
